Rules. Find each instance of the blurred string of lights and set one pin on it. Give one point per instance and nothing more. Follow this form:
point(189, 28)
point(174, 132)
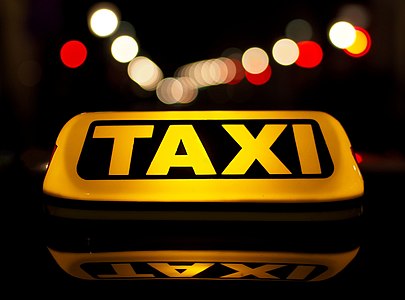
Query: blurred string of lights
point(348, 34)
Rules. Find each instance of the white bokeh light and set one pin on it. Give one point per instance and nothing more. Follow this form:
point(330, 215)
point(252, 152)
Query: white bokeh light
point(255, 60)
point(342, 34)
point(285, 52)
point(103, 21)
point(124, 48)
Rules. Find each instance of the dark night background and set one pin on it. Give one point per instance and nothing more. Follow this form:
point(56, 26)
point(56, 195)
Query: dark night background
point(367, 95)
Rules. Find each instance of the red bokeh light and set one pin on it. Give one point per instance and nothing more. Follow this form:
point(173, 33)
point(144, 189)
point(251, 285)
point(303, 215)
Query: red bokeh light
point(73, 54)
point(311, 54)
point(261, 78)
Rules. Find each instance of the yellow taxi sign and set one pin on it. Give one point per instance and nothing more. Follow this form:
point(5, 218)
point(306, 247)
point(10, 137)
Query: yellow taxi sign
point(204, 156)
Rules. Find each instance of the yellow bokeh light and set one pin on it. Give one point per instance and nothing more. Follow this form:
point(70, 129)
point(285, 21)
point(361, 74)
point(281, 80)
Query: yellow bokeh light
point(360, 43)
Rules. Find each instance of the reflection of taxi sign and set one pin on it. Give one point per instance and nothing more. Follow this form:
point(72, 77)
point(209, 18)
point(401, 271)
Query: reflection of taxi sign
point(204, 264)
point(200, 156)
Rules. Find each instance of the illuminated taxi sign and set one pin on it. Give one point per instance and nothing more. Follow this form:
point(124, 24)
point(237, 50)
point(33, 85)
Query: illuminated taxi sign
point(241, 156)
point(136, 150)
point(203, 264)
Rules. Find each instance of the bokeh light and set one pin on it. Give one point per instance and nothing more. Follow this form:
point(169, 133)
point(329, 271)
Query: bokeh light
point(355, 14)
point(239, 72)
point(145, 73)
point(342, 34)
point(310, 54)
point(298, 30)
point(103, 19)
point(73, 54)
point(361, 45)
point(210, 72)
point(181, 90)
point(260, 78)
point(124, 48)
point(255, 60)
point(285, 52)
